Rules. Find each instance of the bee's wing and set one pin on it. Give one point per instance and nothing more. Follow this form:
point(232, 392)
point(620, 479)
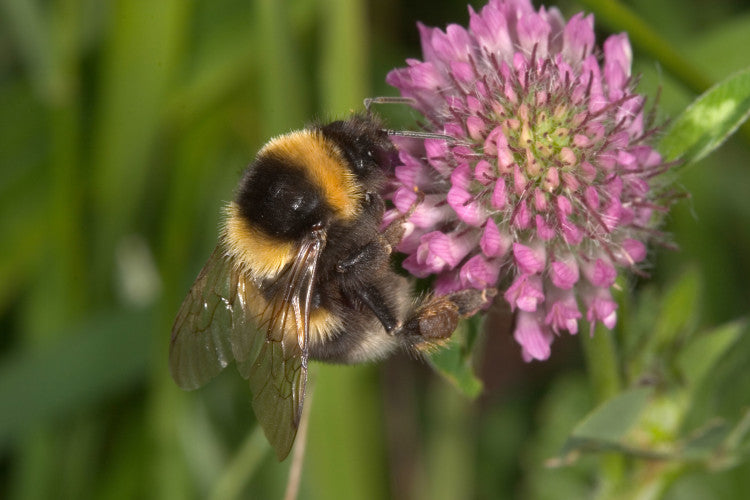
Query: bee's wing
point(216, 324)
point(278, 373)
point(200, 347)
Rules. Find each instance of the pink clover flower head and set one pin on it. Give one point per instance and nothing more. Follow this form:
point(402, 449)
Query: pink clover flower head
point(547, 186)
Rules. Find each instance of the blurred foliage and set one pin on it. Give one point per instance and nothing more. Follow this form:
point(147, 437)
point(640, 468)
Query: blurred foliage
point(125, 125)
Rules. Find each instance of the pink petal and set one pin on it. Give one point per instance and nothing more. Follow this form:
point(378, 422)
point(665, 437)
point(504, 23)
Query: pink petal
point(578, 38)
point(493, 243)
point(475, 105)
point(436, 151)
point(563, 313)
point(499, 195)
point(572, 234)
point(551, 179)
point(533, 336)
point(647, 156)
point(588, 171)
point(525, 293)
point(592, 198)
point(425, 76)
point(490, 143)
point(448, 282)
point(523, 215)
point(404, 198)
point(430, 212)
point(480, 273)
point(447, 250)
point(618, 57)
point(632, 251)
point(412, 238)
point(519, 180)
point(533, 32)
point(425, 36)
point(600, 307)
point(491, 30)
point(540, 200)
point(460, 42)
point(461, 176)
point(564, 207)
point(565, 272)
point(591, 80)
point(600, 273)
point(463, 72)
point(461, 200)
point(627, 160)
point(556, 21)
point(484, 172)
point(416, 268)
point(529, 260)
point(611, 214)
point(475, 126)
point(409, 170)
point(543, 229)
point(455, 129)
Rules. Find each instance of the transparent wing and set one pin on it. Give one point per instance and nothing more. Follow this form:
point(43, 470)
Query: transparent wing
point(224, 317)
point(200, 346)
point(278, 372)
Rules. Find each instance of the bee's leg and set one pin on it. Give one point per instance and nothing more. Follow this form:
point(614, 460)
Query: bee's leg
point(368, 294)
point(372, 298)
point(471, 301)
point(436, 317)
point(433, 319)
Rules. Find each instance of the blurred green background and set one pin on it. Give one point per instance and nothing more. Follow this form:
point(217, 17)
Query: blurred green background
point(124, 127)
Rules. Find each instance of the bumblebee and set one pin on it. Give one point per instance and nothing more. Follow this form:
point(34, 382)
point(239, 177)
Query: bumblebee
point(302, 272)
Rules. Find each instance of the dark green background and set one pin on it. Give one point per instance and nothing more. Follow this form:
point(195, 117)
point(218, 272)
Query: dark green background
point(124, 126)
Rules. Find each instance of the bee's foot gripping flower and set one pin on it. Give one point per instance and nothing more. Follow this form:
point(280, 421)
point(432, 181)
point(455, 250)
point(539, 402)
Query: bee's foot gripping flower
point(549, 185)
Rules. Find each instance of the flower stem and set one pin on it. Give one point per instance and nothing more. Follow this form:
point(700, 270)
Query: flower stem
point(603, 365)
point(604, 373)
point(298, 456)
point(619, 17)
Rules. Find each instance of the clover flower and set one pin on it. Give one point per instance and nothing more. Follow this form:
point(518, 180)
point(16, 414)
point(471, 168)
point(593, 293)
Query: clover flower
point(548, 186)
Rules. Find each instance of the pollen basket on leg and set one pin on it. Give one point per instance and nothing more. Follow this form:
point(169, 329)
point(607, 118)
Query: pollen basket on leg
point(322, 162)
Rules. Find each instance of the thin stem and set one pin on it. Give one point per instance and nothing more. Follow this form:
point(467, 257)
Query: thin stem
point(619, 17)
point(298, 458)
point(601, 360)
point(604, 374)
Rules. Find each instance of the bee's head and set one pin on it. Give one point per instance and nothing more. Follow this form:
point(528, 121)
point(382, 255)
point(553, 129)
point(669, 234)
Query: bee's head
point(365, 146)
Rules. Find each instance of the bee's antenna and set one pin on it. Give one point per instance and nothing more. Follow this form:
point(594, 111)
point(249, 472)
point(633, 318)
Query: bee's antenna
point(369, 101)
point(420, 135)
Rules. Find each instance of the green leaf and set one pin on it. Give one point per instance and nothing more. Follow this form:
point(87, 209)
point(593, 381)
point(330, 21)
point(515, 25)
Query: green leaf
point(454, 361)
point(703, 351)
point(709, 120)
point(718, 444)
point(703, 442)
point(604, 428)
